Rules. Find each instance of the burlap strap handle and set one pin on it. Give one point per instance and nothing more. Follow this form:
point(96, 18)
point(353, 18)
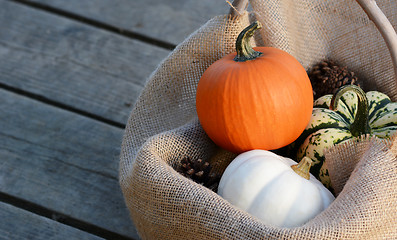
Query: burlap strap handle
point(237, 7)
point(374, 13)
point(384, 26)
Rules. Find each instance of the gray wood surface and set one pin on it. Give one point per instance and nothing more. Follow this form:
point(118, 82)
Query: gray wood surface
point(70, 72)
point(62, 161)
point(71, 63)
point(20, 224)
point(170, 20)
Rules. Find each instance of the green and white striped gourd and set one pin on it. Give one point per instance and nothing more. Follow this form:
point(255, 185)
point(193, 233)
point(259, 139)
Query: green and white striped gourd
point(355, 113)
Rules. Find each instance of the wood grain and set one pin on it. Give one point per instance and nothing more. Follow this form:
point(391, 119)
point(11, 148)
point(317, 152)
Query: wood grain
point(60, 77)
point(72, 63)
point(20, 224)
point(62, 161)
point(170, 20)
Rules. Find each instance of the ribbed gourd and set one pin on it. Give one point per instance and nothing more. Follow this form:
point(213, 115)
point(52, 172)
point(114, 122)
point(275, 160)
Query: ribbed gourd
point(349, 113)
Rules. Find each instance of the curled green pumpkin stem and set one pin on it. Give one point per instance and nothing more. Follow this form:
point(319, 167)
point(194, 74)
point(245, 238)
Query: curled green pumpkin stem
point(303, 167)
point(360, 125)
point(243, 47)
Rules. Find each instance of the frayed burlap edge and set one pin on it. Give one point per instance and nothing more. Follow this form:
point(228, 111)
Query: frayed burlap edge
point(168, 99)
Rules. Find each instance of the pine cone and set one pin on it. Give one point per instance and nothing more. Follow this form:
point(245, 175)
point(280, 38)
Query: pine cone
point(199, 171)
point(327, 76)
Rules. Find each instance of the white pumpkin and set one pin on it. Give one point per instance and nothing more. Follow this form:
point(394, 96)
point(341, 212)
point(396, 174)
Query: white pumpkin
point(265, 185)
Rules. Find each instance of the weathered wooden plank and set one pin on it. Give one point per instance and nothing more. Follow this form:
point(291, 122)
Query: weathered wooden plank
point(72, 63)
point(20, 224)
point(170, 20)
point(62, 161)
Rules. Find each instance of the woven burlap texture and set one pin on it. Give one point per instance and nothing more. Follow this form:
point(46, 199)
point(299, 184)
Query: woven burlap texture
point(163, 127)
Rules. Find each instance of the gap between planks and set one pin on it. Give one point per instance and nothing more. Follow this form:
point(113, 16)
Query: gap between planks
point(78, 186)
point(98, 24)
point(53, 103)
point(61, 218)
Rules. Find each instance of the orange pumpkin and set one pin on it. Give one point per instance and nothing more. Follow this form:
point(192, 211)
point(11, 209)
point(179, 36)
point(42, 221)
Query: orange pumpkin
point(255, 98)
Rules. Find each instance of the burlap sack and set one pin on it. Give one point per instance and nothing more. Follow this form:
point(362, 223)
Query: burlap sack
point(163, 127)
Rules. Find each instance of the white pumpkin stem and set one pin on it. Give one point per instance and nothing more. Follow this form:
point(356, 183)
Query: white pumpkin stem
point(303, 167)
